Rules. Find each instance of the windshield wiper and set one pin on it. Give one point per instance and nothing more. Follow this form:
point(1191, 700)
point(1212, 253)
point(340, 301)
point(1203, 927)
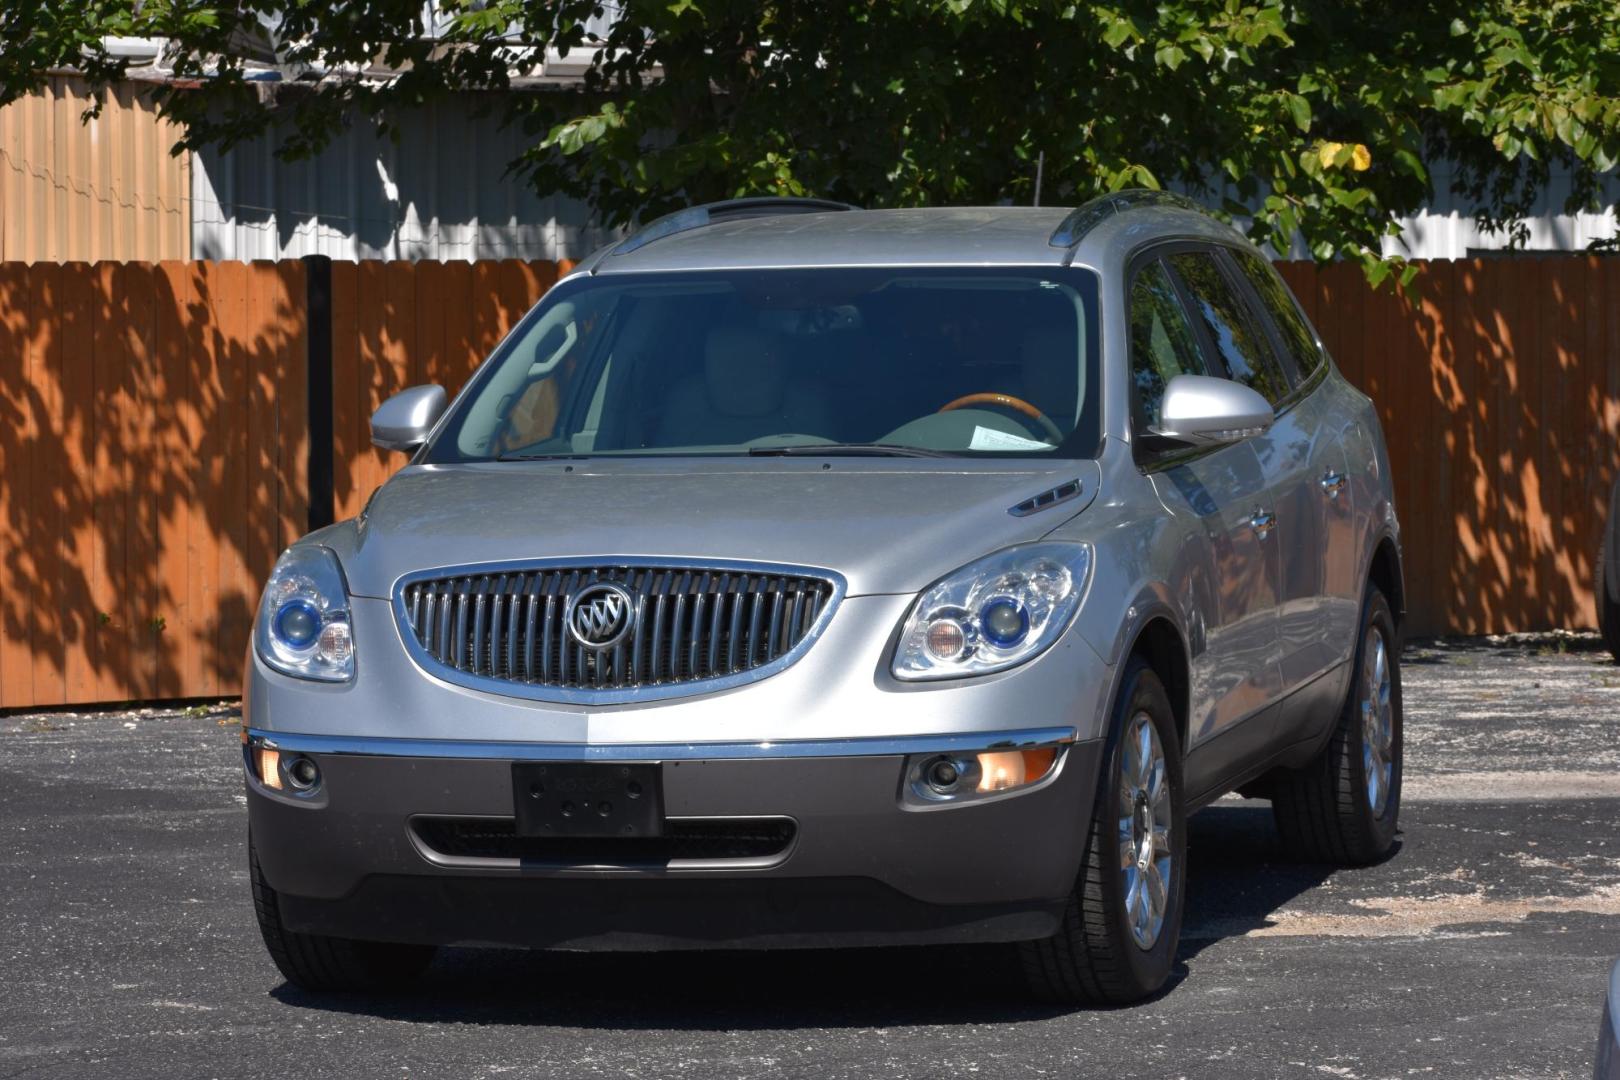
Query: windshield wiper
point(844, 450)
point(518, 455)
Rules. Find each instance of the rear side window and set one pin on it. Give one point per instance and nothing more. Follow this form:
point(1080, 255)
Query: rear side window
point(1162, 343)
point(1236, 335)
point(1298, 342)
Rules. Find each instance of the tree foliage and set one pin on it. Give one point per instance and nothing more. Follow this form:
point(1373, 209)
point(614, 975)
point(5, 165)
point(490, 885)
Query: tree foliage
point(1315, 118)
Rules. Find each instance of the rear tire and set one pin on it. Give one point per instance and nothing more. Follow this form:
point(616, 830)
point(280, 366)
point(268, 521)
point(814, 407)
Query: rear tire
point(1116, 944)
point(320, 963)
point(1343, 807)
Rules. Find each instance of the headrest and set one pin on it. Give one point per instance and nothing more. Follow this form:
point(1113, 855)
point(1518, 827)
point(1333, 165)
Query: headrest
point(1052, 372)
point(745, 371)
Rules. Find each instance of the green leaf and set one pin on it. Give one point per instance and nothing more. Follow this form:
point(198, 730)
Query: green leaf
point(1170, 56)
point(1118, 32)
point(1300, 109)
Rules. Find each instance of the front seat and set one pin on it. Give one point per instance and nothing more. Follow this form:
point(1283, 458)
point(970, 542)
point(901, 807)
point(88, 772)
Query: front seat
point(744, 393)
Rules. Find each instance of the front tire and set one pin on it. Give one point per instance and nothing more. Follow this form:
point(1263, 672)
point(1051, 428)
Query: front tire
point(319, 963)
point(1343, 808)
point(1122, 924)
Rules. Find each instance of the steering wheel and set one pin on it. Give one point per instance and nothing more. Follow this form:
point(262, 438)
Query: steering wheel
point(1017, 404)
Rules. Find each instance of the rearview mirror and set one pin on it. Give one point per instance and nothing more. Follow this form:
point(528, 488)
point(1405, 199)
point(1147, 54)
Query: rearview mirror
point(404, 420)
point(1199, 410)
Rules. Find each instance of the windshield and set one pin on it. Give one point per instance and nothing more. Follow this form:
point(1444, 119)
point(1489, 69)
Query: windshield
point(874, 361)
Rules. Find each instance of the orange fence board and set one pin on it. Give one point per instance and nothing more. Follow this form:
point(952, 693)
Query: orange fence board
point(153, 462)
point(1499, 393)
point(154, 440)
point(16, 614)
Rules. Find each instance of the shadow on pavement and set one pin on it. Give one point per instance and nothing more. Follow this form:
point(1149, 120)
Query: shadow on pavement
point(1236, 883)
point(1237, 877)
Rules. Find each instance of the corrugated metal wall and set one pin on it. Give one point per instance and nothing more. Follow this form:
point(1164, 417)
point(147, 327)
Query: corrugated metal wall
point(441, 192)
point(108, 189)
point(111, 190)
point(1445, 228)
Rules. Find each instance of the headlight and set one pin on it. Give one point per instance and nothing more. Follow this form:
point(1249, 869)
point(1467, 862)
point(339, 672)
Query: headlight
point(995, 613)
point(303, 627)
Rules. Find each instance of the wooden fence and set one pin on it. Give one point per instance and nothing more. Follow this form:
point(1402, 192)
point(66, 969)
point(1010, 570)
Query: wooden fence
point(155, 440)
point(154, 447)
point(1499, 391)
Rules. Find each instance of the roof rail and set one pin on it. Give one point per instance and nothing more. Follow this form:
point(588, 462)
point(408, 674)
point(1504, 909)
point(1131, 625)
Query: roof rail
point(696, 217)
point(1081, 221)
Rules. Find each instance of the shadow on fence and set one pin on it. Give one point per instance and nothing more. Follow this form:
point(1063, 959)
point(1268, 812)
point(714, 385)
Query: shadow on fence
point(154, 440)
point(154, 449)
point(1499, 393)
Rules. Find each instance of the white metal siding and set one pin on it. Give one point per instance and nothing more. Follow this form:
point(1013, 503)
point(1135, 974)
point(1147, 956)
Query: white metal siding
point(1445, 228)
point(440, 192)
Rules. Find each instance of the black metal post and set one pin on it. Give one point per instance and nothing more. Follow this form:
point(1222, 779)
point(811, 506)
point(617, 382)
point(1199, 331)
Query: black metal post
point(318, 315)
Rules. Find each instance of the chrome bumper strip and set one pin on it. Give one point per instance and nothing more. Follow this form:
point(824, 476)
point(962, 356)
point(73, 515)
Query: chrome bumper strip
point(527, 751)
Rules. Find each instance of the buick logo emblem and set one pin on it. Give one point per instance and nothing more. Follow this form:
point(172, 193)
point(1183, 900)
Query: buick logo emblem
point(599, 616)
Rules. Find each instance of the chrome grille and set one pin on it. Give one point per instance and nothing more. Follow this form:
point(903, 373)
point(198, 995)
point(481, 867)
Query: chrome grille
point(692, 624)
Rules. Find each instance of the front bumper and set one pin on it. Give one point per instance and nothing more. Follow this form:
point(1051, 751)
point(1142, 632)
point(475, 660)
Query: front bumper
point(351, 860)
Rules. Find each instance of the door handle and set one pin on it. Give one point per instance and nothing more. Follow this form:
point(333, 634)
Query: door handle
point(1333, 483)
point(1262, 522)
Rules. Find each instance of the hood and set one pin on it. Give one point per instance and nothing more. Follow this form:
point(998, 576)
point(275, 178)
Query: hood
point(888, 526)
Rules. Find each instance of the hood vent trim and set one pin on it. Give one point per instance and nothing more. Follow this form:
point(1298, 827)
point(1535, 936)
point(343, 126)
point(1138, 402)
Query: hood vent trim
point(1069, 489)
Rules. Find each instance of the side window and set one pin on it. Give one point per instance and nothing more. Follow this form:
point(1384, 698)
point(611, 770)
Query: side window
point(1162, 342)
point(1299, 343)
point(1238, 337)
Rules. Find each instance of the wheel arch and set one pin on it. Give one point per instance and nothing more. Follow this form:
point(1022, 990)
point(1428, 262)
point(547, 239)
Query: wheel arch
point(1384, 571)
point(1161, 646)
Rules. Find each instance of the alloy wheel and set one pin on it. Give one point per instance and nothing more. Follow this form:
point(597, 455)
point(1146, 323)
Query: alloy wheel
point(1377, 721)
point(1144, 830)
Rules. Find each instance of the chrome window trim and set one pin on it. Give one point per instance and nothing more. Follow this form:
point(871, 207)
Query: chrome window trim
point(877, 746)
point(1160, 246)
point(620, 696)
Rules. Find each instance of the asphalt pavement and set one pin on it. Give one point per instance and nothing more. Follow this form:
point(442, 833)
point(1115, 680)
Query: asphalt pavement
point(1480, 949)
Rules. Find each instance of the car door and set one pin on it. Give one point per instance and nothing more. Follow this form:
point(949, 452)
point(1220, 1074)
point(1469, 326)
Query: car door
point(1240, 347)
point(1321, 604)
point(1241, 337)
point(1233, 604)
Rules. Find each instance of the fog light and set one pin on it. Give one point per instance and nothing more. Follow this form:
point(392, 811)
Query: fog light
point(268, 763)
point(963, 777)
point(943, 775)
point(302, 773)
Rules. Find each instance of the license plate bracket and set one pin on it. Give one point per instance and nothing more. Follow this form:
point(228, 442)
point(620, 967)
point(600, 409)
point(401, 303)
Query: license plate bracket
point(570, 799)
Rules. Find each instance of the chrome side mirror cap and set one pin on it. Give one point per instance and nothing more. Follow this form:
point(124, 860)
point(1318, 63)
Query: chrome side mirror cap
point(404, 420)
point(1199, 410)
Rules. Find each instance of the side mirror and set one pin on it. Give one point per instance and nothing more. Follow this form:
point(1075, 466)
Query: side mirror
point(404, 420)
point(1199, 410)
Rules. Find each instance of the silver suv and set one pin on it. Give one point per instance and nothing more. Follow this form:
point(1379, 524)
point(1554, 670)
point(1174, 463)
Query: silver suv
point(798, 575)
